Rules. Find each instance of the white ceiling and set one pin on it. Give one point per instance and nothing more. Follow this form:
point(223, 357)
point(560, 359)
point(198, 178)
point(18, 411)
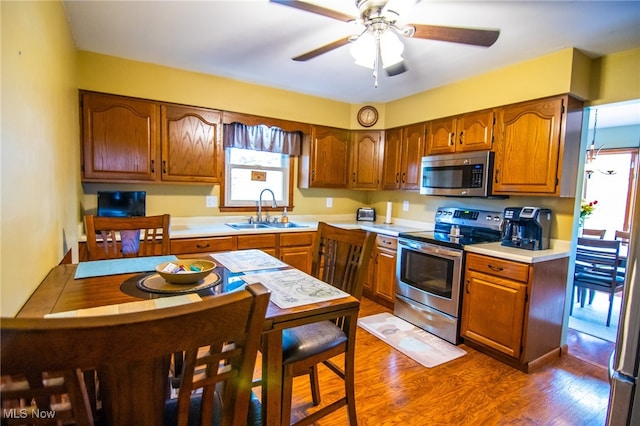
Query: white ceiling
point(254, 40)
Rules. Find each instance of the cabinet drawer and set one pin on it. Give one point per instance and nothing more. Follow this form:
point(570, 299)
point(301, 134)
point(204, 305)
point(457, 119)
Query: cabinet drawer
point(256, 241)
point(296, 239)
point(384, 241)
point(498, 267)
point(203, 245)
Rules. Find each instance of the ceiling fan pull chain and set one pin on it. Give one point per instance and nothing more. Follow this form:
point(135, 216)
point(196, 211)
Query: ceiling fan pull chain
point(376, 61)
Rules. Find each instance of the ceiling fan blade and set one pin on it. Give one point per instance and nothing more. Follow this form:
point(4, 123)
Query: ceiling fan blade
point(308, 7)
point(396, 69)
point(322, 49)
point(457, 35)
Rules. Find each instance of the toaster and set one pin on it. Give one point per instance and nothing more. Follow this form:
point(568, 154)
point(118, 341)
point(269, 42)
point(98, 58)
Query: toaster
point(367, 214)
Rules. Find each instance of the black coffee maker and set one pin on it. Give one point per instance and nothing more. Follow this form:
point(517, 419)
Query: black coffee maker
point(526, 227)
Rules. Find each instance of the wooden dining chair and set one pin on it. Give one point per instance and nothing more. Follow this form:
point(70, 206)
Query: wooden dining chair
point(340, 258)
point(131, 353)
point(116, 237)
point(623, 236)
point(593, 233)
point(596, 269)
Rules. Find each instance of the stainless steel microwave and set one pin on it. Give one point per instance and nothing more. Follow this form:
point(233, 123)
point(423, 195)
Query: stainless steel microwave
point(465, 174)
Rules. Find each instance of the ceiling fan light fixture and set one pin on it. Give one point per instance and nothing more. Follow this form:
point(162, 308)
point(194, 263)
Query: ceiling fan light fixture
point(364, 50)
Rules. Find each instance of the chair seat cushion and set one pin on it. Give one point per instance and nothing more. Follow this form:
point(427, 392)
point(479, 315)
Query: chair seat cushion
point(254, 418)
point(597, 279)
point(310, 339)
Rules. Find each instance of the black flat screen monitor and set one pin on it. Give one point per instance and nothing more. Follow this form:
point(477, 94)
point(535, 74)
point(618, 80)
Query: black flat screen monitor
point(121, 203)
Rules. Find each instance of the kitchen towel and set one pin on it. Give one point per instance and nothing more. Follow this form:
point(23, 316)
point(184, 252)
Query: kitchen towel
point(99, 268)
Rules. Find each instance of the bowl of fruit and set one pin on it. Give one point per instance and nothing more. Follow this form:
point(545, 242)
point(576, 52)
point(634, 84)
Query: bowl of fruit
point(185, 271)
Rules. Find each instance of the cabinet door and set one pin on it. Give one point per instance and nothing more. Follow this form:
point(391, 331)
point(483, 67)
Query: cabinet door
point(120, 138)
point(203, 245)
point(475, 131)
point(392, 159)
point(493, 312)
point(441, 138)
point(386, 274)
point(191, 144)
point(366, 159)
point(527, 148)
point(329, 157)
point(412, 153)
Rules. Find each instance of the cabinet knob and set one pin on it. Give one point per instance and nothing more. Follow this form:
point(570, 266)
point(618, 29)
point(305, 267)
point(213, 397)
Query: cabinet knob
point(468, 286)
point(452, 138)
point(153, 166)
point(164, 166)
point(496, 175)
point(461, 135)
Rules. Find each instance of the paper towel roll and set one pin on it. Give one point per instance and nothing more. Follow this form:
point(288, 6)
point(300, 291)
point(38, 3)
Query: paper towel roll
point(388, 217)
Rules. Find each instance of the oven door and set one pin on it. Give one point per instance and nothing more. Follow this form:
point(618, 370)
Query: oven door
point(430, 274)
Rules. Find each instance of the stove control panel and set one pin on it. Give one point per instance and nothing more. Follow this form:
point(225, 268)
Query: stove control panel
point(469, 217)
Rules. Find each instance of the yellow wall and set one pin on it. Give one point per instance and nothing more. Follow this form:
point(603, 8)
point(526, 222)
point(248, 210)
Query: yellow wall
point(616, 77)
point(40, 152)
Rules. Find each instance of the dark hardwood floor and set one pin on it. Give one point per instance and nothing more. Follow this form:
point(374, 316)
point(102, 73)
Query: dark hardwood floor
point(392, 389)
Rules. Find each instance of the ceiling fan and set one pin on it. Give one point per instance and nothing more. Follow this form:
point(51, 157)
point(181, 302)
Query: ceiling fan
point(378, 44)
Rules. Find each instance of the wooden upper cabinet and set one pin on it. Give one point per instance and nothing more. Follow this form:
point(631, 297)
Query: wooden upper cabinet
point(366, 159)
point(392, 159)
point(136, 140)
point(119, 138)
point(324, 161)
point(411, 158)
point(441, 138)
point(191, 144)
point(537, 146)
point(403, 152)
point(468, 132)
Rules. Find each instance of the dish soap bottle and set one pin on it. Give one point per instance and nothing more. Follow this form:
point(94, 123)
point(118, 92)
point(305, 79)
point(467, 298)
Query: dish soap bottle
point(285, 218)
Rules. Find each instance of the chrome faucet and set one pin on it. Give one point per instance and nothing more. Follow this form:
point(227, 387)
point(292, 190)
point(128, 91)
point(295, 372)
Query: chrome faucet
point(273, 205)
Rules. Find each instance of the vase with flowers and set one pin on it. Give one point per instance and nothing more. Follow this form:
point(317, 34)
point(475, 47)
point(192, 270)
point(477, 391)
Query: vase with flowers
point(586, 208)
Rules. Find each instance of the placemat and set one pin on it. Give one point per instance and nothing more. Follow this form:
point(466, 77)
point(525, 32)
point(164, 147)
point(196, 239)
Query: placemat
point(98, 268)
point(291, 287)
point(128, 307)
point(248, 260)
point(154, 283)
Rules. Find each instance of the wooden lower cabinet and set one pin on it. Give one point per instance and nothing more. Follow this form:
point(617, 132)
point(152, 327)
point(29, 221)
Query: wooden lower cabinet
point(268, 243)
point(514, 311)
point(203, 245)
point(296, 250)
point(380, 285)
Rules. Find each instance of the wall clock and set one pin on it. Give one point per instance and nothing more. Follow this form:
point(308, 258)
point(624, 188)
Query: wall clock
point(367, 116)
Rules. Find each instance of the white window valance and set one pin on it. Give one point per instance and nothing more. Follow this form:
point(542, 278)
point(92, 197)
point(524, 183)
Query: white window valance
point(261, 138)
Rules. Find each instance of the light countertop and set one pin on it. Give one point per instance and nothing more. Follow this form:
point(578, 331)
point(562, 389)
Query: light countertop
point(200, 227)
point(559, 249)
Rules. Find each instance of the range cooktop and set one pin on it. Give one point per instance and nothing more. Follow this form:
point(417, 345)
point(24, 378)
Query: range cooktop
point(457, 227)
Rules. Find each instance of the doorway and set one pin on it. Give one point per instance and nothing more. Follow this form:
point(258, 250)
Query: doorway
point(609, 180)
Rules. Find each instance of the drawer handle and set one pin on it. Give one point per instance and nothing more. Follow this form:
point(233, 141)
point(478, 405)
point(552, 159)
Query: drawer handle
point(387, 242)
point(495, 268)
point(468, 287)
point(203, 245)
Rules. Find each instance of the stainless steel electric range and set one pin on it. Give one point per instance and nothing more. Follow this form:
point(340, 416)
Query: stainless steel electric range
point(430, 266)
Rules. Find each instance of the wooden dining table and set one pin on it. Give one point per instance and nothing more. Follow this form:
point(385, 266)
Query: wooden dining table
point(60, 291)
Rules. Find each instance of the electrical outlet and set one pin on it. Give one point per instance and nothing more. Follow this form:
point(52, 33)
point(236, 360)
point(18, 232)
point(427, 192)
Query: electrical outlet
point(329, 202)
point(212, 201)
point(405, 206)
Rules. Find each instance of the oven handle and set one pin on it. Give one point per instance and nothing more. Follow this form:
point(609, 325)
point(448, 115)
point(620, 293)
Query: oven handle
point(432, 249)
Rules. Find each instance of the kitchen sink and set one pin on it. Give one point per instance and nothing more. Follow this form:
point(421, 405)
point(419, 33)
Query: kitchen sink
point(286, 225)
point(246, 225)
